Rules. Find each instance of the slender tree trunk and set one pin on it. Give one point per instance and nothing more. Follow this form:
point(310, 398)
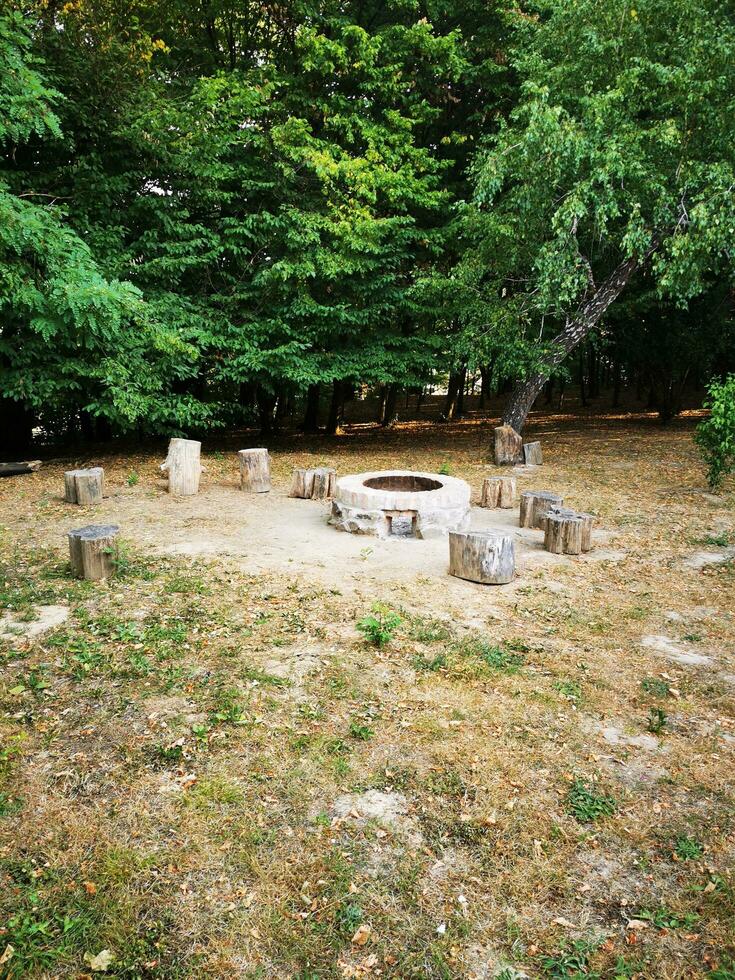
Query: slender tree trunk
point(389, 408)
point(582, 382)
point(311, 412)
point(461, 392)
point(575, 331)
point(335, 408)
point(617, 377)
point(452, 405)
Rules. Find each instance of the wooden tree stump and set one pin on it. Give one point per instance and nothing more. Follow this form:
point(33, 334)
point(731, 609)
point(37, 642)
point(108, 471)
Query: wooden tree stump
point(507, 446)
point(588, 522)
point(563, 534)
point(498, 491)
point(317, 484)
point(184, 467)
point(93, 550)
point(255, 470)
point(322, 486)
point(487, 557)
point(535, 504)
point(532, 453)
point(84, 487)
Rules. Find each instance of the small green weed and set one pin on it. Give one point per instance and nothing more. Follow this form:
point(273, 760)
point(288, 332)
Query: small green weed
point(663, 918)
point(657, 719)
point(132, 479)
point(379, 627)
point(572, 960)
point(430, 664)
point(362, 733)
point(688, 848)
point(586, 804)
point(656, 687)
point(571, 690)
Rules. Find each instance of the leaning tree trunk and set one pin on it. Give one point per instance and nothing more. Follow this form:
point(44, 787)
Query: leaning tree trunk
point(576, 330)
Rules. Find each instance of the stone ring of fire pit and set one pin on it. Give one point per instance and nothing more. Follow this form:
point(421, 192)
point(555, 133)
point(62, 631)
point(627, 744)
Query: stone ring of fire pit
point(399, 503)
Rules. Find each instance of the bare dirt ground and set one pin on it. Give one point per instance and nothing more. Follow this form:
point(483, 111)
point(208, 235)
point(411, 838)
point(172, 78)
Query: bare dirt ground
point(206, 771)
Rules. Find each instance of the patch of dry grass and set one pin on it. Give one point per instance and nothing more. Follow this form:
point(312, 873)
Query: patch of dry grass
point(172, 755)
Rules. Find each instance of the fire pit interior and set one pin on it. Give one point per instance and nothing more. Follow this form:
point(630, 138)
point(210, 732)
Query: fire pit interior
point(404, 481)
point(400, 504)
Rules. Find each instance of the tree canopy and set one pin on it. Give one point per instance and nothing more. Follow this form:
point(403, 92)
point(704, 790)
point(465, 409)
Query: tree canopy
point(208, 212)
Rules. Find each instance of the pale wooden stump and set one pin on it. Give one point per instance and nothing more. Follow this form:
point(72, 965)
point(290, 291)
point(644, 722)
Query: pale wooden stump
point(487, 557)
point(255, 470)
point(93, 550)
point(587, 520)
point(316, 484)
point(532, 453)
point(184, 467)
point(563, 534)
point(507, 446)
point(498, 491)
point(535, 504)
point(84, 487)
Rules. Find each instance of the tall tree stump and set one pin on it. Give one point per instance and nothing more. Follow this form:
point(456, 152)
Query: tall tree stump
point(535, 504)
point(487, 557)
point(93, 550)
point(184, 467)
point(498, 491)
point(532, 453)
point(507, 446)
point(255, 470)
point(84, 487)
point(563, 534)
point(316, 484)
point(587, 520)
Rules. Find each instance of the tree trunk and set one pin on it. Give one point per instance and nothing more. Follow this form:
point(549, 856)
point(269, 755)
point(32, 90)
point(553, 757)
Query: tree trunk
point(93, 551)
point(13, 469)
point(482, 556)
point(389, 409)
point(311, 412)
point(84, 487)
point(255, 470)
point(576, 330)
point(184, 467)
point(335, 409)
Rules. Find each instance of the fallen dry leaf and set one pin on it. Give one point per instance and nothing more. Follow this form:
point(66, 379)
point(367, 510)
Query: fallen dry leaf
point(362, 935)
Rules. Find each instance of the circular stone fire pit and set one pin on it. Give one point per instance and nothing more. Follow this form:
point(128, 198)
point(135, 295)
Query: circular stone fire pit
point(399, 503)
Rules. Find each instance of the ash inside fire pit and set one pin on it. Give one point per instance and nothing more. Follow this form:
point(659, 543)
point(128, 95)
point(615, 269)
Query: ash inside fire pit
point(401, 504)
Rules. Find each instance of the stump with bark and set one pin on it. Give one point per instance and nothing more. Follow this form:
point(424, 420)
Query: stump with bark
point(93, 551)
point(498, 491)
point(84, 487)
point(587, 521)
point(532, 453)
point(563, 533)
point(487, 557)
point(317, 484)
point(535, 504)
point(255, 470)
point(184, 467)
point(507, 446)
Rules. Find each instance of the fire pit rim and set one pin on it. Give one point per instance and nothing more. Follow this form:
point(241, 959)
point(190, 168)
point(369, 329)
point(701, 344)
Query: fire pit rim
point(352, 491)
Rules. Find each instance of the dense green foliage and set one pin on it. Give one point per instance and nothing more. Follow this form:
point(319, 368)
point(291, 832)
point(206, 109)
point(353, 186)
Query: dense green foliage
point(209, 212)
point(716, 435)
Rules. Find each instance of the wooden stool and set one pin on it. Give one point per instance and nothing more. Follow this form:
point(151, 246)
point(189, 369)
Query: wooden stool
point(588, 521)
point(183, 464)
point(255, 470)
point(507, 446)
point(498, 491)
point(563, 534)
point(317, 484)
point(532, 453)
point(93, 550)
point(535, 504)
point(482, 556)
point(84, 487)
